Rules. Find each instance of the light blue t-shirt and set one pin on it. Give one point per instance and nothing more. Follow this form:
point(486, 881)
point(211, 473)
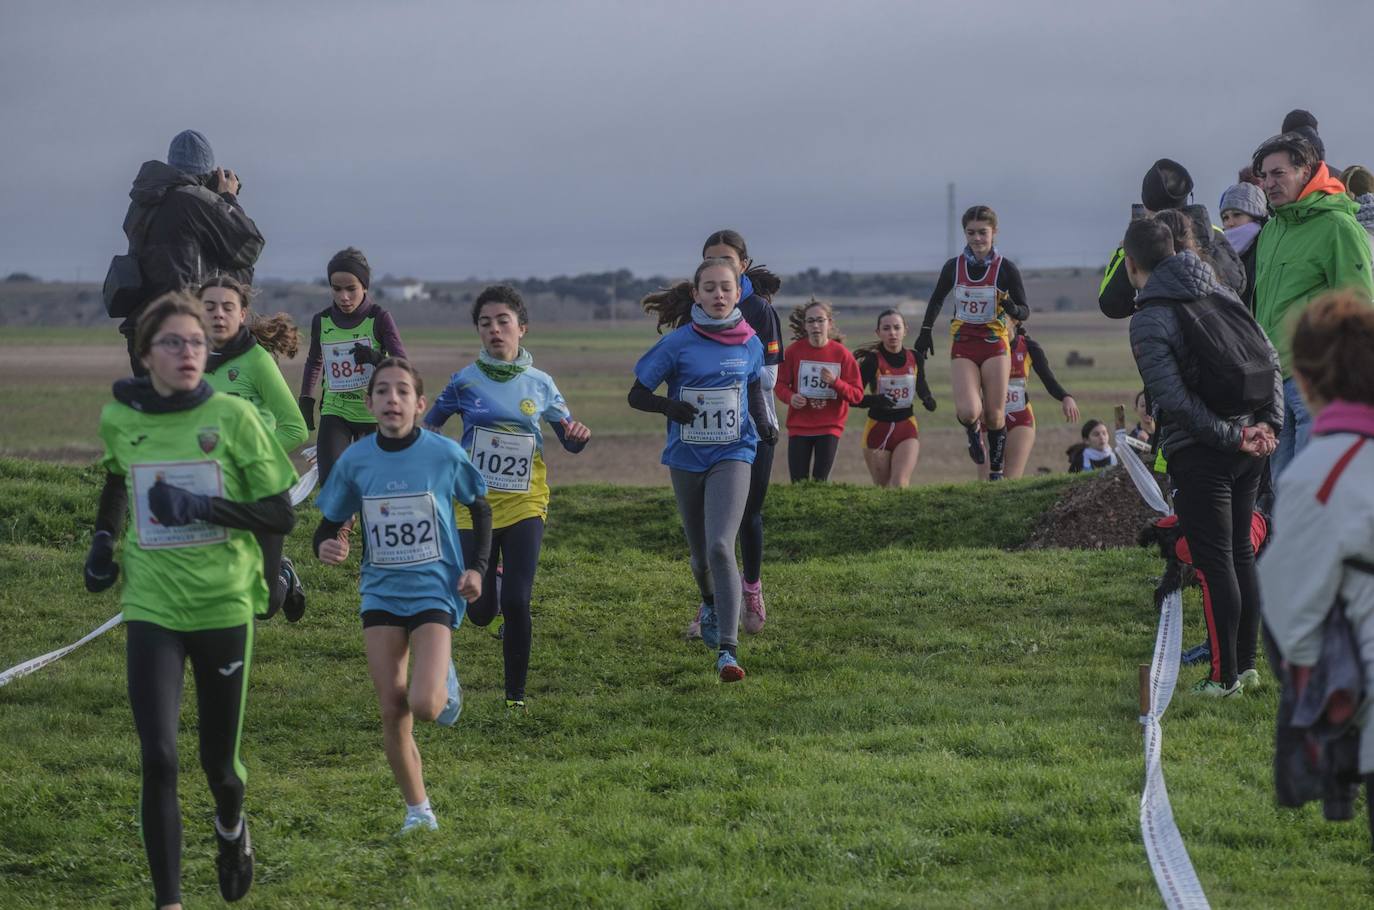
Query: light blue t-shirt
point(413, 560)
point(715, 377)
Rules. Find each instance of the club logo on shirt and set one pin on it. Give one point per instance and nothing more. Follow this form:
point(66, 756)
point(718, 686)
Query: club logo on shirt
point(208, 438)
point(393, 485)
point(385, 509)
point(527, 407)
point(233, 374)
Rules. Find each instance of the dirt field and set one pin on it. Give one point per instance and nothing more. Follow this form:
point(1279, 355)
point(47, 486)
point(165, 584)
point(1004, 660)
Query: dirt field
point(58, 379)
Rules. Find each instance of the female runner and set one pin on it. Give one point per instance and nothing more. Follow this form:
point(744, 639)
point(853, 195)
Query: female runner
point(1027, 354)
point(819, 380)
point(894, 378)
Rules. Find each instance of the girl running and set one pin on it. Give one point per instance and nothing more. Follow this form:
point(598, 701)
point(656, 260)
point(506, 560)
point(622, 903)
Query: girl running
point(347, 341)
point(711, 362)
point(201, 475)
point(894, 379)
point(987, 288)
point(242, 363)
point(500, 399)
point(414, 584)
point(1027, 354)
point(819, 380)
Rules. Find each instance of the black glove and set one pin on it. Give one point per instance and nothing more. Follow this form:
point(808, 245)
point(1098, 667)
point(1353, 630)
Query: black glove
point(364, 354)
point(768, 434)
point(680, 411)
point(307, 411)
point(174, 507)
point(925, 344)
point(929, 402)
point(101, 569)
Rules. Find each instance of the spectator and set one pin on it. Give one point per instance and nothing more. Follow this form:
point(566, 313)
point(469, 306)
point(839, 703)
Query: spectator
point(1247, 175)
point(1243, 212)
point(1215, 459)
point(1359, 184)
point(1304, 124)
point(1168, 185)
point(185, 225)
point(1144, 429)
point(1312, 244)
point(1094, 452)
point(1327, 497)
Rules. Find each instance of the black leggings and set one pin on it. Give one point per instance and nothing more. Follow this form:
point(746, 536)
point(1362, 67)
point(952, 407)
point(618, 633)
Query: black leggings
point(271, 545)
point(156, 667)
point(336, 434)
point(800, 450)
point(751, 527)
point(516, 549)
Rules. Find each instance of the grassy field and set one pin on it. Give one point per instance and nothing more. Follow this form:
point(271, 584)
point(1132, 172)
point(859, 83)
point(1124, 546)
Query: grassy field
point(929, 721)
point(58, 379)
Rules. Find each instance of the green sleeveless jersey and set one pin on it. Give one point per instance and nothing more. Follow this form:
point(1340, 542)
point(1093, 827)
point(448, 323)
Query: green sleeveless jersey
point(199, 576)
point(255, 377)
point(345, 383)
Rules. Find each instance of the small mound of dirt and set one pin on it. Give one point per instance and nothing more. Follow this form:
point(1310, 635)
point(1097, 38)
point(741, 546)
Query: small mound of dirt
point(1100, 511)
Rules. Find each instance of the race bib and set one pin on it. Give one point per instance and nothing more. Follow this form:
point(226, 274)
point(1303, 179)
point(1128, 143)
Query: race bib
point(203, 477)
point(975, 305)
point(401, 530)
point(809, 381)
point(899, 389)
point(1016, 396)
point(505, 459)
point(341, 374)
point(718, 416)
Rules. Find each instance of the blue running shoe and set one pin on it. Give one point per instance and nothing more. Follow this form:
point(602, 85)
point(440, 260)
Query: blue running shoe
point(1198, 655)
point(454, 706)
point(710, 631)
point(729, 668)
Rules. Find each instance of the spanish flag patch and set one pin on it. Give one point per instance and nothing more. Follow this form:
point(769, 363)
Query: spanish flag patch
point(772, 347)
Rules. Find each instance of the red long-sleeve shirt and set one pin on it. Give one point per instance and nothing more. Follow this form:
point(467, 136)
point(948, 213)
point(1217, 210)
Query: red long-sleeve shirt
point(800, 372)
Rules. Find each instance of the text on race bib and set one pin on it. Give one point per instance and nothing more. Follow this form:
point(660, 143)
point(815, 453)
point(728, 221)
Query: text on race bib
point(975, 305)
point(203, 477)
point(809, 381)
point(1016, 396)
point(341, 374)
point(899, 389)
point(718, 416)
point(504, 459)
point(401, 530)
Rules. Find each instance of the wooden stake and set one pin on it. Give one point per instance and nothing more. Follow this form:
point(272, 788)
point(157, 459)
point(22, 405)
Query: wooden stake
point(1120, 411)
point(1144, 689)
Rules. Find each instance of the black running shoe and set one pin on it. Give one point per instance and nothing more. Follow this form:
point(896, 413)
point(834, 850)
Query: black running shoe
point(975, 444)
point(294, 604)
point(235, 864)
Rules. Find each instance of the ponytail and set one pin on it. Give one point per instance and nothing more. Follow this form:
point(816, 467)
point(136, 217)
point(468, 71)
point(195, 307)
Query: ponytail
point(277, 334)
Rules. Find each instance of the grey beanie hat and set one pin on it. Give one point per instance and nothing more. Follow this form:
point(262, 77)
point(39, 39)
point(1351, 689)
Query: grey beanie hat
point(1245, 198)
point(190, 153)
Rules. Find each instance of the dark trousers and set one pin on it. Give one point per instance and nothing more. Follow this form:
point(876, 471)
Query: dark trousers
point(156, 667)
point(751, 526)
point(516, 549)
point(335, 435)
point(813, 455)
point(1214, 495)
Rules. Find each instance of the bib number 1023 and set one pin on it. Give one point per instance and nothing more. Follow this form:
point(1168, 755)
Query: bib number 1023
point(504, 459)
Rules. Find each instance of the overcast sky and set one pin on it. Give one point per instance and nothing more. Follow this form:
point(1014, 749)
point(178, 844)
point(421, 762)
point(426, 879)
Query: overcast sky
point(517, 138)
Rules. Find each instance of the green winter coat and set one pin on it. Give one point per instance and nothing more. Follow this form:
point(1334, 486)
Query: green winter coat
point(1309, 246)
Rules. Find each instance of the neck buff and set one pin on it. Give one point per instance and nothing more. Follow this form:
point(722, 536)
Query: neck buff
point(732, 329)
point(1241, 236)
point(240, 344)
point(974, 260)
point(139, 394)
point(502, 370)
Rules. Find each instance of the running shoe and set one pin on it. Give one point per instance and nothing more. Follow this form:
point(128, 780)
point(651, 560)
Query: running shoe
point(515, 704)
point(754, 613)
point(454, 706)
point(994, 475)
point(1250, 680)
point(420, 821)
point(294, 604)
point(1209, 689)
point(235, 864)
point(710, 632)
point(975, 444)
point(693, 629)
point(728, 668)
point(1197, 655)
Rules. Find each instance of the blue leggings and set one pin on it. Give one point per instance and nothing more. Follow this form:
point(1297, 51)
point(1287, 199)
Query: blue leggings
point(515, 548)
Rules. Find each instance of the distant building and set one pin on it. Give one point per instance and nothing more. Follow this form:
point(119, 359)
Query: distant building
point(403, 289)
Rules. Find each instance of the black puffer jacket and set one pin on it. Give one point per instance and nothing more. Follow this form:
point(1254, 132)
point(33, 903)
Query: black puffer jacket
point(1169, 369)
point(183, 232)
point(1116, 298)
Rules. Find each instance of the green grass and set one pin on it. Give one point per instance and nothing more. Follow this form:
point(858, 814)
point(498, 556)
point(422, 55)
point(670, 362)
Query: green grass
point(928, 721)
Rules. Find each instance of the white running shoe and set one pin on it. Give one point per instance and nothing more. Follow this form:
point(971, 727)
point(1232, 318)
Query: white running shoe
point(420, 821)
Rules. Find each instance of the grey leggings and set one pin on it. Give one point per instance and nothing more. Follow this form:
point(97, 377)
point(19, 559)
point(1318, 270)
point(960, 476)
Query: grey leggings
point(711, 504)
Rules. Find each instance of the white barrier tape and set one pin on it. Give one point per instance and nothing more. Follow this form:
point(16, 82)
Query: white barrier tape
point(1173, 870)
point(303, 486)
point(39, 663)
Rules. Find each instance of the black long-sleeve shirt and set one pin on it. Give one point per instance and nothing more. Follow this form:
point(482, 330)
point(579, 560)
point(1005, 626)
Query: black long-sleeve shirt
point(878, 409)
point(1040, 363)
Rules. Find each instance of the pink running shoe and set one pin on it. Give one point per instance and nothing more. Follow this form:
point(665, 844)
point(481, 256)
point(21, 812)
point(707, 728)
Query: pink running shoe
point(693, 629)
point(754, 613)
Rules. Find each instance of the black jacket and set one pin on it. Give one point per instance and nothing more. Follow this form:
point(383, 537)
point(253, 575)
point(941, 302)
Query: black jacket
point(1116, 298)
point(181, 232)
point(1169, 369)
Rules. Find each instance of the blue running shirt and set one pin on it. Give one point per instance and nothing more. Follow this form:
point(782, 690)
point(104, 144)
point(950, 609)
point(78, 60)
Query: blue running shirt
point(715, 377)
point(413, 560)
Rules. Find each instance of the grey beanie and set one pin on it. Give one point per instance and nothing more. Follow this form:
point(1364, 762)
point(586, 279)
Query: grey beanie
point(1245, 198)
point(190, 153)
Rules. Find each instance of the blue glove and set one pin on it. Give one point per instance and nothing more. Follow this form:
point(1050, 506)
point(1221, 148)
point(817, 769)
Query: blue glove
point(101, 569)
point(174, 507)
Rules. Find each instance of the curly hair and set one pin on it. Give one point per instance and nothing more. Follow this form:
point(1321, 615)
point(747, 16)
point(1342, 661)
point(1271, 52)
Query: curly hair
point(1331, 345)
point(277, 333)
point(503, 294)
point(797, 319)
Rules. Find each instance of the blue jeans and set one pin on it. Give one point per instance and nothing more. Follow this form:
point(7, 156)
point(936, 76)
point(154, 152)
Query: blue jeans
point(1297, 426)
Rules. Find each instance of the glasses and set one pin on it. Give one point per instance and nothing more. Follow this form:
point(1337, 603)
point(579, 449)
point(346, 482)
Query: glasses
point(817, 320)
point(175, 344)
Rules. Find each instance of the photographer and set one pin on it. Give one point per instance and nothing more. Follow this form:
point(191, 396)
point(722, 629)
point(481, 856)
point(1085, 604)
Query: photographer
point(185, 224)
